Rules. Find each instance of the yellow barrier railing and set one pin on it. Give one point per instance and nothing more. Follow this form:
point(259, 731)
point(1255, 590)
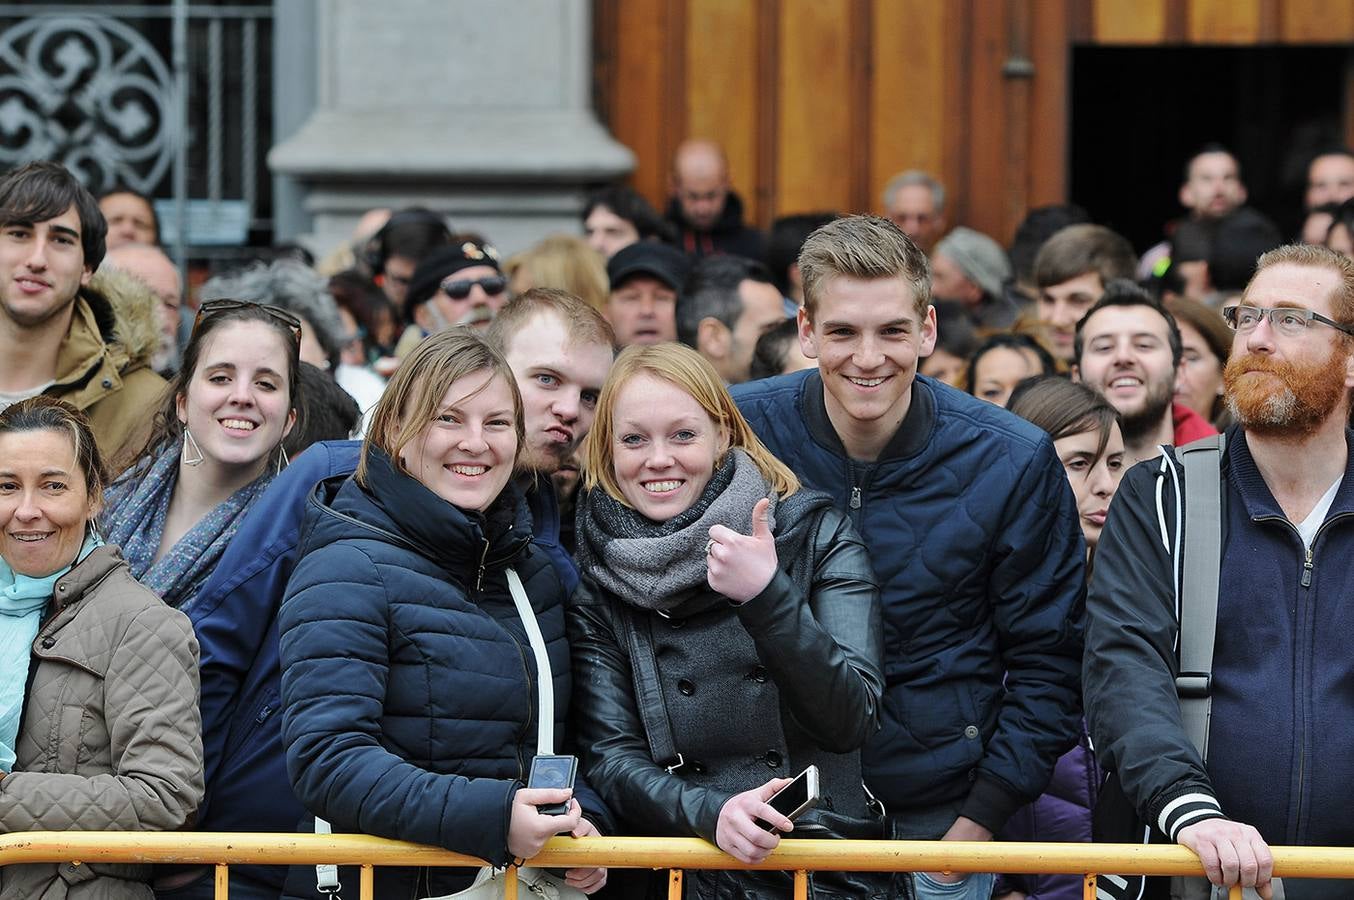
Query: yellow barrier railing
point(677, 854)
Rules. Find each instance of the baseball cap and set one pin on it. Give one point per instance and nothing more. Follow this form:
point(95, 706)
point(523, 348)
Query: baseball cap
point(660, 261)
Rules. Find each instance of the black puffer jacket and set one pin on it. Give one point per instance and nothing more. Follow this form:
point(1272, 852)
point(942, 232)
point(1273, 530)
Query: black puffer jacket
point(408, 681)
point(752, 692)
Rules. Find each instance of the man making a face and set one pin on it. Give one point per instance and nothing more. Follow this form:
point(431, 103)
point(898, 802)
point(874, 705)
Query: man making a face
point(560, 350)
point(1127, 347)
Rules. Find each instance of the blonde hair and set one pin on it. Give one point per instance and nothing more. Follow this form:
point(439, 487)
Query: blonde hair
point(415, 392)
point(688, 370)
point(564, 262)
point(864, 247)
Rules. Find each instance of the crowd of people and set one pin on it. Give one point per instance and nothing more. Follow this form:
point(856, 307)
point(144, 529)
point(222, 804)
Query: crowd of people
point(1026, 543)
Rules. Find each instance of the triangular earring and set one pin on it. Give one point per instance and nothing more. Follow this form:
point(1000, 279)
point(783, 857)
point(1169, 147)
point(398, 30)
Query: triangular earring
point(192, 453)
point(282, 460)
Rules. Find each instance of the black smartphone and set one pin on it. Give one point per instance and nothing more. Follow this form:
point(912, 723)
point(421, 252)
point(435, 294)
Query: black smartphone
point(796, 798)
point(553, 772)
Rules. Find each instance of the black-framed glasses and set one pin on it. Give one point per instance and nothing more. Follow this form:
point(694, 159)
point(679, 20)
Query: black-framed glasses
point(1290, 321)
point(459, 288)
point(214, 307)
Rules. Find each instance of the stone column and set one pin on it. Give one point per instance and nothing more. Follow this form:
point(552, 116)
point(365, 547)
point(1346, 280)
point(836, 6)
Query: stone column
point(479, 109)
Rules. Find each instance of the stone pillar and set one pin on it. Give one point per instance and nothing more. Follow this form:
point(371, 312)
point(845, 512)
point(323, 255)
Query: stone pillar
point(478, 109)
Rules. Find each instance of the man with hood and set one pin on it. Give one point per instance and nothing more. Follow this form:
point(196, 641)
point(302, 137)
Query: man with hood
point(64, 332)
point(707, 214)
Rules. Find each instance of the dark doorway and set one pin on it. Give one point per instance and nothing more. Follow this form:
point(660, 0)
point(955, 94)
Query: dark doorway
point(1139, 113)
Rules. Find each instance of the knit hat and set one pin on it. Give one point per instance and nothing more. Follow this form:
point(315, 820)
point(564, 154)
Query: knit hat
point(980, 258)
point(443, 262)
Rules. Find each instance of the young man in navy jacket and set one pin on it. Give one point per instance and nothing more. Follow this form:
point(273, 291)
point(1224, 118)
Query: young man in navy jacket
point(973, 533)
point(1280, 759)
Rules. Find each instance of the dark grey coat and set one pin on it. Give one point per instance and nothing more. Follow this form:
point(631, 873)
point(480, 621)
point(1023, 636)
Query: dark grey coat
point(752, 692)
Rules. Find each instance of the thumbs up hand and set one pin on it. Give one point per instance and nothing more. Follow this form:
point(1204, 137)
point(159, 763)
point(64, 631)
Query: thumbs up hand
point(740, 566)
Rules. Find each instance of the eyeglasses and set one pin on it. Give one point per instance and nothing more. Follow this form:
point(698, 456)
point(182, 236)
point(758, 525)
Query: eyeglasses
point(493, 285)
point(1290, 321)
point(215, 307)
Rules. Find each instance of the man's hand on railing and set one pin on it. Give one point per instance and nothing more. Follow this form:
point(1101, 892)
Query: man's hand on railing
point(738, 832)
point(528, 830)
point(963, 829)
point(1232, 853)
point(586, 880)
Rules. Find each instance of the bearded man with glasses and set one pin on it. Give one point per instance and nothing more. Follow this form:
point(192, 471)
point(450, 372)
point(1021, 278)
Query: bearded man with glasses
point(1279, 755)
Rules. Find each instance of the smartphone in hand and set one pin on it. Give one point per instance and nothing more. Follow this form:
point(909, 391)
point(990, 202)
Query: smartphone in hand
point(796, 798)
point(553, 772)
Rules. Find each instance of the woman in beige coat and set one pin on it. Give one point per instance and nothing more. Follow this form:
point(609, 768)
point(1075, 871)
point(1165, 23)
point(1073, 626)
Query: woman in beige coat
point(107, 735)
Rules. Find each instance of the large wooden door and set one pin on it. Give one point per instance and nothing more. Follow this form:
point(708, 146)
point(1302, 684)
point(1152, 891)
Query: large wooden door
point(819, 102)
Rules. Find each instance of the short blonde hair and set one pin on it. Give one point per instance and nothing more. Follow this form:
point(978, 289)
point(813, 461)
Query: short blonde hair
point(415, 392)
point(865, 247)
point(688, 370)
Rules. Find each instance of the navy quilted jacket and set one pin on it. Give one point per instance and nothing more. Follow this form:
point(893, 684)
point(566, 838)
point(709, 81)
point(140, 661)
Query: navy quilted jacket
point(408, 682)
point(973, 532)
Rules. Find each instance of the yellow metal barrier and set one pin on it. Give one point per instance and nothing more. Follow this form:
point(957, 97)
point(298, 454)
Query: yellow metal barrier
point(797, 856)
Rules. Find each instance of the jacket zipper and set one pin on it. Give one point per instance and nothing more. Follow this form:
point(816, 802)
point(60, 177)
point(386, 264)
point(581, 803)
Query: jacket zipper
point(479, 577)
point(858, 487)
point(1308, 567)
point(526, 670)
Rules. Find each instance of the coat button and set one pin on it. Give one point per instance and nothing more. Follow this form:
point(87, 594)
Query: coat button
point(698, 767)
point(48, 643)
point(61, 588)
point(971, 732)
point(674, 624)
point(773, 759)
point(758, 674)
point(686, 686)
point(108, 382)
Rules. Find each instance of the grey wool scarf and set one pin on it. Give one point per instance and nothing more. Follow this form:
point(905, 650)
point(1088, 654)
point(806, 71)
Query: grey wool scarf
point(661, 565)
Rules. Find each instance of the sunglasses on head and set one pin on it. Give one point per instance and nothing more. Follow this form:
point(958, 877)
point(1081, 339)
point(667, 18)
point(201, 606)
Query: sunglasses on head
point(215, 307)
point(459, 289)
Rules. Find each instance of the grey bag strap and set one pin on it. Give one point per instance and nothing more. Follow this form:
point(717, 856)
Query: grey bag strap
point(1202, 548)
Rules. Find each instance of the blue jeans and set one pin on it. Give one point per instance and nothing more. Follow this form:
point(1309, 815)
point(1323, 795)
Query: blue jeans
point(930, 824)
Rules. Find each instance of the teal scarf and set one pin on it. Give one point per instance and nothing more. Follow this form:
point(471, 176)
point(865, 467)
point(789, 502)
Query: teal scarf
point(22, 600)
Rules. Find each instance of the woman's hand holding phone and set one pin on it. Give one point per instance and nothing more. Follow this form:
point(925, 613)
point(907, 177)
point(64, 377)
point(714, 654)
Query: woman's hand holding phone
point(740, 566)
point(740, 834)
point(528, 830)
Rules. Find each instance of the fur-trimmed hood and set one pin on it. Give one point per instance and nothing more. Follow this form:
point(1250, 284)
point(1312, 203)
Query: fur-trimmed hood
point(103, 367)
point(128, 315)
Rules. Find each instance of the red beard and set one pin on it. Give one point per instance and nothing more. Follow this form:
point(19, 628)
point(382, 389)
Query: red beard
point(1293, 403)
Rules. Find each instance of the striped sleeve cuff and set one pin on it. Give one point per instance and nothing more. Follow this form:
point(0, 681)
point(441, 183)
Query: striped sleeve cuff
point(1186, 809)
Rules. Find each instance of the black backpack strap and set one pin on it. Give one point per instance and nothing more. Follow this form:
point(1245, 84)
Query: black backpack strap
point(1202, 564)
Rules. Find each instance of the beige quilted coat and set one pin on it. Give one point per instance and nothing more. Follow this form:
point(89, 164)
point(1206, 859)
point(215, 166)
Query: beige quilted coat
point(111, 738)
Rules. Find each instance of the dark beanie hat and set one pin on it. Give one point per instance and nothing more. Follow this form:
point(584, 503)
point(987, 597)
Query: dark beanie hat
point(434, 269)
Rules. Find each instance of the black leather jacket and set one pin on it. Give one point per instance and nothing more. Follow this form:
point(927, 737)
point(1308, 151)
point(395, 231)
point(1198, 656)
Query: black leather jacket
point(753, 692)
